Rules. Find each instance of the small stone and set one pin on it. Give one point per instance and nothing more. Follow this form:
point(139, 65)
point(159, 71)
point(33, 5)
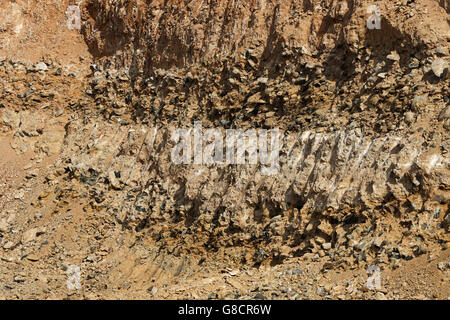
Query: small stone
point(33, 257)
point(393, 56)
point(442, 50)
point(8, 245)
point(153, 290)
point(409, 117)
point(10, 119)
point(41, 66)
point(11, 217)
point(326, 227)
point(380, 296)
point(285, 289)
point(212, 296)
point(4, 225)
point(260, 296)
point(378, 242)
point(262, 80)
point(115, 183)
point(29, 235)
point(59, 111)
point(250, 53)
point(251, 64)
point(326, 246)
point(19, 278)
point(234, 272)
point(19, 195)
point(304, 50)
point(310, 65)
point(439, 66)
point(442, 266)
point(32, 174)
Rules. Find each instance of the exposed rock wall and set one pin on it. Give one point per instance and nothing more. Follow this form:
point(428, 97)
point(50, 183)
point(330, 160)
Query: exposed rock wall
point(161, 34)
point(363, 114)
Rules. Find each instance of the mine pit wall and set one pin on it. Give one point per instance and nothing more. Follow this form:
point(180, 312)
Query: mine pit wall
point(340, 183)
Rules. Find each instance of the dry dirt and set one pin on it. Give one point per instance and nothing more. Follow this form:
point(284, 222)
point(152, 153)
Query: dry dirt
point(87, 180)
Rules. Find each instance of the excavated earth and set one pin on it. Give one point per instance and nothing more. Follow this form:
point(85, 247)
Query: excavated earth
point(86, 137)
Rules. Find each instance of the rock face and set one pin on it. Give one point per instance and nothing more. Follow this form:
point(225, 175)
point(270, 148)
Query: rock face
point(358, 142)
point(362, 177)
point(162, 34)
point(439, 67)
